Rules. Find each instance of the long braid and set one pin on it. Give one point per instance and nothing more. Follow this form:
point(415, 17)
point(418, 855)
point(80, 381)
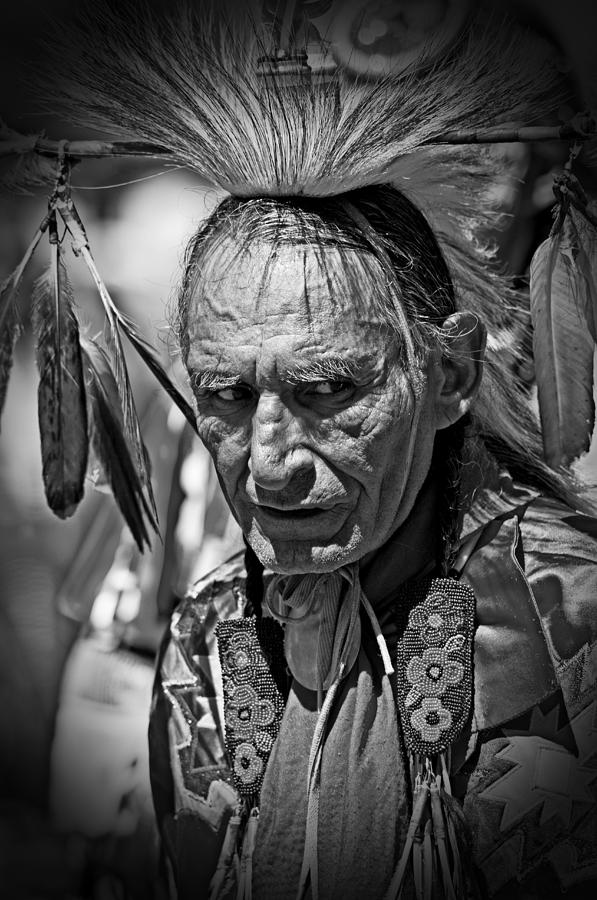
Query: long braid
point(254, 584)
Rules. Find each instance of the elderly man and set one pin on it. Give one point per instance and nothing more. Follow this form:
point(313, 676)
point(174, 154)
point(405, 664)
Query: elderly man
point(338, 436)
point(391, 694)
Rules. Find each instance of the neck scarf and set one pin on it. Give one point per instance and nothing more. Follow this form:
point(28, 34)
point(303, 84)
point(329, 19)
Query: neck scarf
point(353, 853)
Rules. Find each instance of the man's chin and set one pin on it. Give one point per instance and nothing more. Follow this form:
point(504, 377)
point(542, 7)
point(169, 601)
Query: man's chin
point(296, 557)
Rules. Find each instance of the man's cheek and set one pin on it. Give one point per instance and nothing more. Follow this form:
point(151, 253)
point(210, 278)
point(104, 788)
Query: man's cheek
point(230, 453)
point(216, 434)
point(358, 438)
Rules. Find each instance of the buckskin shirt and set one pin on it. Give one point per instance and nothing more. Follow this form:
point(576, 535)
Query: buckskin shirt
point(524, 769)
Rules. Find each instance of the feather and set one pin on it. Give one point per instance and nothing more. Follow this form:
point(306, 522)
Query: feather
point(581, 257)
point(113, 340)
point(110, 445)
point(9, 334)
point(10, 287)
point(9, 322)
point(149, 357)
point(563, 348)
point(132, 428)
point(62, 408)
point(103, 370)
point(118, 321)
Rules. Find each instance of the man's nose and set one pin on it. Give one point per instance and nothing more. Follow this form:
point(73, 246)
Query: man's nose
point(276, 451)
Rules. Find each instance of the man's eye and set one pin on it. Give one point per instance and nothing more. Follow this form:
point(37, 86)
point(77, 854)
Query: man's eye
point(232, 394)
point(330, 388)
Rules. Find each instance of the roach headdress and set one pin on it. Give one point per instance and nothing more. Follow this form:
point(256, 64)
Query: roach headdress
point(278, 100)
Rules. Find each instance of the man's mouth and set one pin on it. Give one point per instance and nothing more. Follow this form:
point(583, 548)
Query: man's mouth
point(296, 512)
point(299, 523)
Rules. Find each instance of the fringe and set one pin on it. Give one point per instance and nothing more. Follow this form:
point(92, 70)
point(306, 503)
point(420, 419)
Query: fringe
point(437, 847)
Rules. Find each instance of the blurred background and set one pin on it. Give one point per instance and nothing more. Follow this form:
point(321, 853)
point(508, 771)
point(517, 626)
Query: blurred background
point(81, 612)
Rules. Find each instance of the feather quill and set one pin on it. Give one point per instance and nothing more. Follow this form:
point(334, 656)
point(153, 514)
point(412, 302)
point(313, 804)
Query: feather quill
point(562, 346)
point(62, 408)
point(110, 446)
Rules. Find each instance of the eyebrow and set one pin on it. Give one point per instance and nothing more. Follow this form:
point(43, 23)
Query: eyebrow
point(329, 369)
point(324, 370)
point(210, 379)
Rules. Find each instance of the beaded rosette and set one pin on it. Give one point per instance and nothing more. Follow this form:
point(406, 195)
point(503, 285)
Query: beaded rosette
point(434, 662)
point(251, 654)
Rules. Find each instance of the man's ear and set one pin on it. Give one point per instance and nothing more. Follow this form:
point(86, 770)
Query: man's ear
point(459, 367)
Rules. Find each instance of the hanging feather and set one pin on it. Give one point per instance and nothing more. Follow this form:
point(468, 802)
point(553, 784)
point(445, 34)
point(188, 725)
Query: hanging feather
point(562, 311)
point(149, 357)
point(9, 322)
point(62, 410)
point(132, 428)
point(119, 322)
point(583, 259)
point(109, 444)
point(103, 370)
point(114, 342)
point(9, 334)
point(116, 322)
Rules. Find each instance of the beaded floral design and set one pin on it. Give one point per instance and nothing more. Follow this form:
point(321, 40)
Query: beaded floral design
point(242, 658)
point(437, 620)
point(248, 766)
point(434, 662)
point(431, 719)
point(250, 650)
point(246, 713)
point(434, 671)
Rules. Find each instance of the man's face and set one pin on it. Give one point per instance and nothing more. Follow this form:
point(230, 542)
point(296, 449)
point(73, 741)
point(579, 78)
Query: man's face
point(320, 441)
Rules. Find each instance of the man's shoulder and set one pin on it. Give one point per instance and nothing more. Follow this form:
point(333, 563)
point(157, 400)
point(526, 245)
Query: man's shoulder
point(535, 581)
point(551, 528)
point(220, 591)
point(554, 548)
point(559, 548)
point(530, 792)
point(189, 645)
point(228, 576)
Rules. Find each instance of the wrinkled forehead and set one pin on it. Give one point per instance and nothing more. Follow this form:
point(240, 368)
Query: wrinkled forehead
point(265, 283)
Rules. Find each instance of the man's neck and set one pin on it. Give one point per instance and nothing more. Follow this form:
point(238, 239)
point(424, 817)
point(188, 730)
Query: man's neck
point(411, 550)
